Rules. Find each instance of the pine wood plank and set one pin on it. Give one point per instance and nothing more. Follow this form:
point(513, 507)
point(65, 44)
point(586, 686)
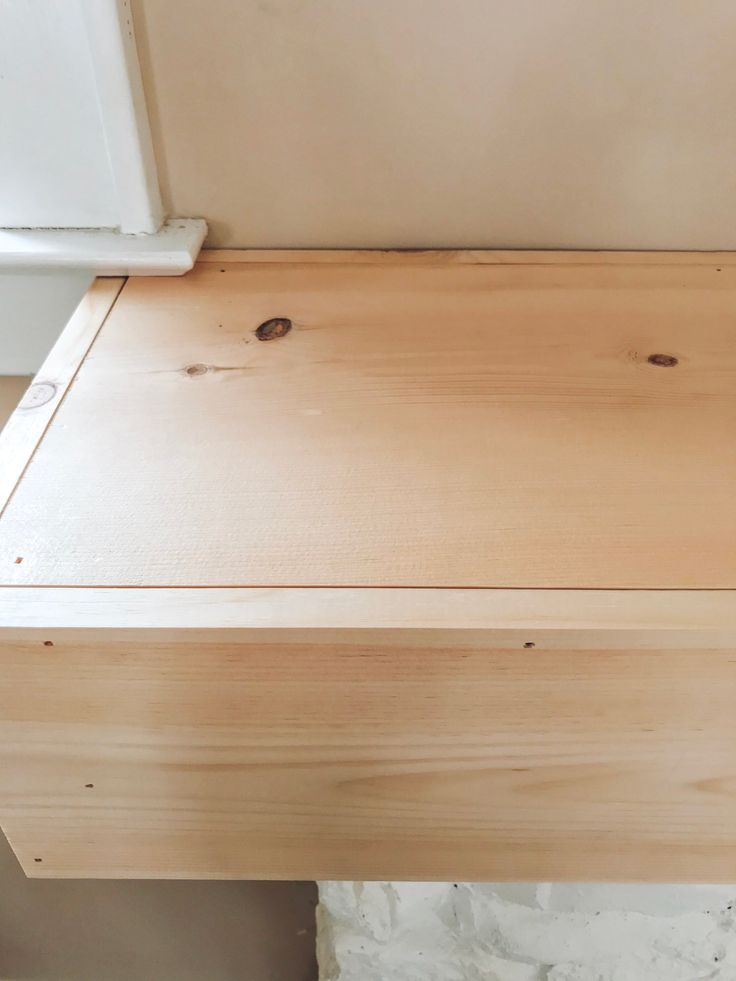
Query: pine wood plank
point(448, 426)
point(586, 618)
point(410, 755)
point(473, 257)
point(28, 423)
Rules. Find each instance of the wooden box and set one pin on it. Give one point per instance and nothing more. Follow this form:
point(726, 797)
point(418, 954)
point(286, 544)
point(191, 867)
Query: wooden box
point(366, 565)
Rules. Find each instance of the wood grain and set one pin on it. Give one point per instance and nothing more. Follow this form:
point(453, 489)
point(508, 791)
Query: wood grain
point(438, 585)
point(582, 618)
point(28, 423)
point(447, 426)
point(397, 755)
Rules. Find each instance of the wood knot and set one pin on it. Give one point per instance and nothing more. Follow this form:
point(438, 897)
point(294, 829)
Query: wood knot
point(271, 330)
point(663, 360)
point(196, 369)
point(38, 394)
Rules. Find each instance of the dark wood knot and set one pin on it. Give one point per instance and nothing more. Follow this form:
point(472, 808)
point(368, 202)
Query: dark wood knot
point(272, 329)
point(663, 360)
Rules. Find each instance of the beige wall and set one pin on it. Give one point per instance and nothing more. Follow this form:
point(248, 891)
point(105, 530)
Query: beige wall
point(550, 123)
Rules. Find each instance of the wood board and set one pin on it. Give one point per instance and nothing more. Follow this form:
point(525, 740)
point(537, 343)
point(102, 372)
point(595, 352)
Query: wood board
point(442, 425)
point(281, 616)
point(363, 755)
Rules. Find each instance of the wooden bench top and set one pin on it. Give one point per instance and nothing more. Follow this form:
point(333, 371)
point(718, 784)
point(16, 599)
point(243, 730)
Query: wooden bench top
point(425, 422)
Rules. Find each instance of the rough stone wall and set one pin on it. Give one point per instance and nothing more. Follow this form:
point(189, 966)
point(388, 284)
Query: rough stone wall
point(397, 931)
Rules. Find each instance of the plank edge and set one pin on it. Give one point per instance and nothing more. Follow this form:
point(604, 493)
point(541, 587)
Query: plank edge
point(463, 257)
point(28, 424)
point(367, 608)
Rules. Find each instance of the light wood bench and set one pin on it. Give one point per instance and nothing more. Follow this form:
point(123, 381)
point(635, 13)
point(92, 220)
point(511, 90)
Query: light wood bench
point(431, 578)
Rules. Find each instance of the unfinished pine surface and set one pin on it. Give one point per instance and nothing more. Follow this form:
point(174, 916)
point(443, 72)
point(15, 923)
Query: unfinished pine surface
point(440, 583)
point(27, 424)
point(468, 257)
point(365, 755)
point(640, 617)
point(445, 425)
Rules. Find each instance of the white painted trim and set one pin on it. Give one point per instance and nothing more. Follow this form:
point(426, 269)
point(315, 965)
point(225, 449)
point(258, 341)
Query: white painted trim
point(121, 99)
point(169, 252)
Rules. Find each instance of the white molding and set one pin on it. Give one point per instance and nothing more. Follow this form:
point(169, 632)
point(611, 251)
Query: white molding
point(169, 252)
point(121, 99)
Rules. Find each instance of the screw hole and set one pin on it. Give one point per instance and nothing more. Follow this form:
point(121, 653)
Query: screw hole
point(38, 860)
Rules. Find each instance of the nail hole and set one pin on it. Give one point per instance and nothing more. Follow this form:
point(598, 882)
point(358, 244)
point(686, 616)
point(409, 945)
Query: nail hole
point(89, 786)
point(529, 644)
point(19, 560)
point(38, 860)
point(663, 360)
point(272, 329)
point(222, 270)
point(48, 643)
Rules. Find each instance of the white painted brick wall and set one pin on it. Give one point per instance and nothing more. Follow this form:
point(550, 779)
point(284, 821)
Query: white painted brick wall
point(397, 931)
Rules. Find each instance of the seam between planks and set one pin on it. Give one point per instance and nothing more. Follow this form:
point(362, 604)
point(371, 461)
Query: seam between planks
point(358, 587)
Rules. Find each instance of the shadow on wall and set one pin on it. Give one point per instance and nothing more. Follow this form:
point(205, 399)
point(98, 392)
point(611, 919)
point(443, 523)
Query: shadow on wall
point(65, 930)
point(35, 307)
